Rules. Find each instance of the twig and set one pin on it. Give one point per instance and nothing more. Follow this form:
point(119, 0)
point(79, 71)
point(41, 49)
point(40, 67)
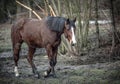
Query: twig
point(51, 9)
point(53, 13)
point(29, 9)
point(39, 6)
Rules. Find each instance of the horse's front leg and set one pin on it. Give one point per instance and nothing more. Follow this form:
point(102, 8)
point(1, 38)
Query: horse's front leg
point(52, 65)
point(52, 55)
point(30, 60)
point(53, 61)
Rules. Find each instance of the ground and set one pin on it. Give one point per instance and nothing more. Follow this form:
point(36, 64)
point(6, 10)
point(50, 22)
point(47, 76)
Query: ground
point(67, 71)
point(91, 67)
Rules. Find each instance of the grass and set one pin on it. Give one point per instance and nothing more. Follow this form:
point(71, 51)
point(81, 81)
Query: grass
point(5, 39)
point(94, 76)
point(82, 76)
point(5, 42)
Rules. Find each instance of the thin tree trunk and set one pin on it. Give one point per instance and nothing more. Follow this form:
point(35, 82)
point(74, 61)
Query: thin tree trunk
point(96, 23)
point(113, 23)
point(114, 30)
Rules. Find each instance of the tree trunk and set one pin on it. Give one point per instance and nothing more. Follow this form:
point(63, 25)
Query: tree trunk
point(114, 30)
point(96, 23)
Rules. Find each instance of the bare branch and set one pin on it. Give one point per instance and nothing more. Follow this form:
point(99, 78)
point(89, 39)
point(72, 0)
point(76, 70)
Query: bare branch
point(51, 9)
point(29, 9)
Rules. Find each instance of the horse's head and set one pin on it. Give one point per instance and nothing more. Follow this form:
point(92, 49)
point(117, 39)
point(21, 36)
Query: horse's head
point(69, 31)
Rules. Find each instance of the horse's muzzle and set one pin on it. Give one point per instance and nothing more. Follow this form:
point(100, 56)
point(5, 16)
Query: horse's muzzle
point(73, 44)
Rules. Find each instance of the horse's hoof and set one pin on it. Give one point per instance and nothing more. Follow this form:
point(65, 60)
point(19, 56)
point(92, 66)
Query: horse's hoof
point(17, 75)
point(45, 74)
point(37, 76)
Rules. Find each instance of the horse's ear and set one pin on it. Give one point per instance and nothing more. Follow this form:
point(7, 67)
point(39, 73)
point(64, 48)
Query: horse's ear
point(67, 21)
point(74, 20)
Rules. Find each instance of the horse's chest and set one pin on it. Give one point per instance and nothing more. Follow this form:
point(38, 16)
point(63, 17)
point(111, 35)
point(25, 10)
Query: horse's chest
point(57, 42)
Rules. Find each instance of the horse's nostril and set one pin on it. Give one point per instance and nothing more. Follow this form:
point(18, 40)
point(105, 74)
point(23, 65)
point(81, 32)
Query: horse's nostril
point(73, 44)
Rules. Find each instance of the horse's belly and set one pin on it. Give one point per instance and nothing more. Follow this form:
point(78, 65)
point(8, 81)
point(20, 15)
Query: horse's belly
point(31, 39)
point(33, 42)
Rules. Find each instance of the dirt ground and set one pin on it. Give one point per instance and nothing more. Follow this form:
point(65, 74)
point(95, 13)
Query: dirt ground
point(67, 71)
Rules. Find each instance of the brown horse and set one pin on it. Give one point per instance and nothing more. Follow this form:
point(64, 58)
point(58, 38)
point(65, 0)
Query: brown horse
point(45, 33)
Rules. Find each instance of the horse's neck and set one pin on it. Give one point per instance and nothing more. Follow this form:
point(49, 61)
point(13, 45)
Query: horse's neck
point(59, 34)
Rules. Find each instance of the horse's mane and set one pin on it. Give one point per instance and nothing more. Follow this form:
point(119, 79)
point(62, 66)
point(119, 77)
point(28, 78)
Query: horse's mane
point(55, 23)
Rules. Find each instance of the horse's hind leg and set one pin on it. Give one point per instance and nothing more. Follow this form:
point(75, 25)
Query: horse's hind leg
point(30, 60)
point(16, 50)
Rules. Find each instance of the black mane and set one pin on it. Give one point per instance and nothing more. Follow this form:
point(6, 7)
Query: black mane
point(55, 23)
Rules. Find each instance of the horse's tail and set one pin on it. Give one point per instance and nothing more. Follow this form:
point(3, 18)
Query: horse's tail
point(15, 31)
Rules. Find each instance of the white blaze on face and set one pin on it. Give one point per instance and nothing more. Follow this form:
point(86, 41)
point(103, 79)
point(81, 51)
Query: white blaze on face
point(73, 35)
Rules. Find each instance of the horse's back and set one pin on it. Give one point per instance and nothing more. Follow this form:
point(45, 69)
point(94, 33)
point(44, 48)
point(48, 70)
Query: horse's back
point(34, 32)
point(31, 32)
